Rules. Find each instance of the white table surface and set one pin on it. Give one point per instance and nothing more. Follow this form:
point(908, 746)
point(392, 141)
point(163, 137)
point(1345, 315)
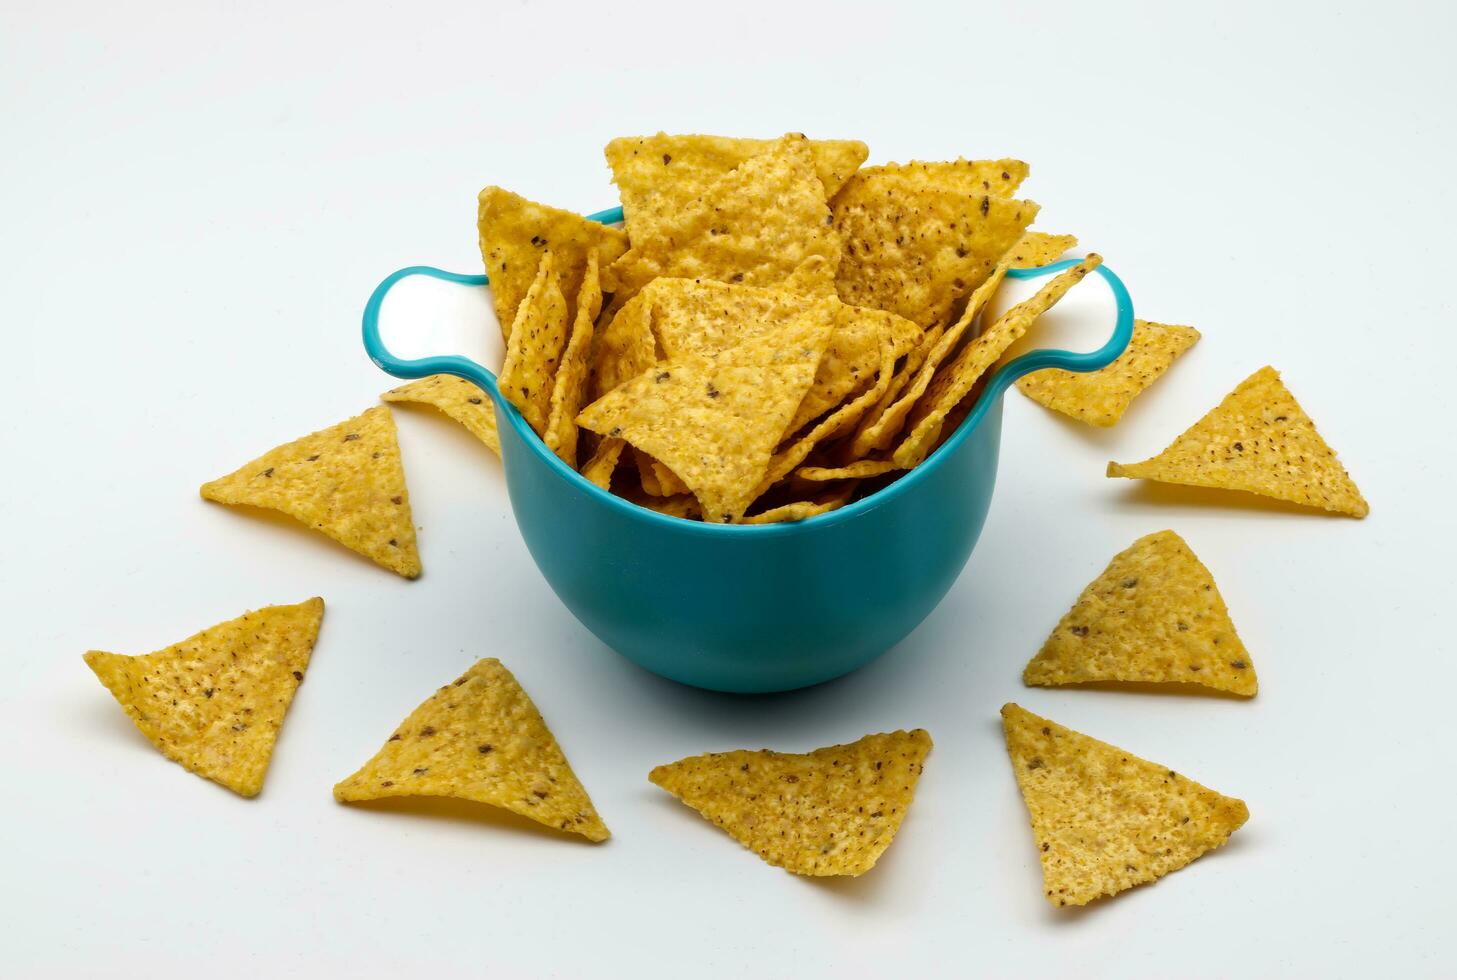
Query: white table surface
point(196, 200)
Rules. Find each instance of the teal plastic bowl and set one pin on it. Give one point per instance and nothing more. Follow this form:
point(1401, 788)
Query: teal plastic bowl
point(753, 608)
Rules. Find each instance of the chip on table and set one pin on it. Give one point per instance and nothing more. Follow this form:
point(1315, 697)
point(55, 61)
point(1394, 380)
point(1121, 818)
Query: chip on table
point(480, 738)
point(1259, 440)
point(215, 702)
point(832, 811)
point(1104, 820)
point(1101, 397)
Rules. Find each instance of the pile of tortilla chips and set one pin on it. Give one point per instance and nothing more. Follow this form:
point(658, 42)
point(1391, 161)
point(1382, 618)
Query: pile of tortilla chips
point(774, 333)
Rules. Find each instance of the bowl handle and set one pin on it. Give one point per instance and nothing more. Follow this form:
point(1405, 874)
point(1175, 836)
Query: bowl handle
point(1037, 360)
point(455, 364)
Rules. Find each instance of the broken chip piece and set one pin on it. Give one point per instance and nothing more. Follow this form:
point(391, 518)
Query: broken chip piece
point(1101, 397)
point(832, 811)
point(1153, 616)
point(345, 481)
point(215, 701)
point(1259, 440)
point(480, 739)
point(1105, 820)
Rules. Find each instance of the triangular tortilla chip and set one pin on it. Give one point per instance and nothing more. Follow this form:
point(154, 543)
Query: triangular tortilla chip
point(914, 247)
point(603, 464)
point(1258, 440)
point(715, 419)
point(832, 811)
point(514, 232)
point(859, 470)
point(571, 376)
point(624, 348)
point(215, 702)
point(660, 176)
point(345, 481)
point(1037, 248)
point(457, 398)
point(702, 316)
point(999, 178)
point(1101, 397)
point(1153, 616)
point(756, 225)
point(956, 379)
point(480, 739)
point(799, 510)
point(1104, 819)
point(528, 374)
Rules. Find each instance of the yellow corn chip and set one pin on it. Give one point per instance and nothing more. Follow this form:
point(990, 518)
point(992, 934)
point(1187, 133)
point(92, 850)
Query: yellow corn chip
point(914, 359)
point(603, 464)
point(684, 505)
point(668, 480)
point(757, 224)
point(515, 233)
point(1154, 616)
point(955, 381)
point(345, 481)
point(625, 348)
point(1037, 248)
point(1101, 397)
point(571, 376)
point(1104, 819)
point(879, 436)
point(528, 375)
point(702, 316)
point(458, 399)
point(913, 247)
point(661, 176)
point(480, 739)
point(647, 477)
point(831, 426)
point(832, 811)
point(715, 419)
point(215, 702)
point(1258, 440)
point(799, 510)
point(858, 470)
point(999, 178)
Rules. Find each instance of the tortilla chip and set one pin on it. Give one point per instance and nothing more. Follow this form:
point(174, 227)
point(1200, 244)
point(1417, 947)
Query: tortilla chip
point(833, 425)
point(756, 225)
point(914, 247)
point(956, 380)
point(603, 464)
point(515, 233)
point(459, 399)
point(799, 510)
point(1154, 616)
point(1101, 397)
point(571, 376)
point(683, 505)
point(345, 481)
point(661, 176)
point(1104, 819)
point(624, 348)
point(999, 178)
point(480, 739)
point(215, 702)
point(647, 477)
point(702, 316)
point(1258, 440)
point(858, 470)
point(832, 811)
point(528, 375)
point(1036, 249)
point(715, 419)
point(668, 480)
point(879, 436)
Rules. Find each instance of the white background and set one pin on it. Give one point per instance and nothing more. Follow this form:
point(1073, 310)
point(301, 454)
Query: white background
point(195, 200)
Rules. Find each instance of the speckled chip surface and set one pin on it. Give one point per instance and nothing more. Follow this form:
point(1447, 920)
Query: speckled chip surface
point(1258, 440)
point(832, 811)
point(345, 481)
point(538, 337)
point(480, 738)
point(1101, 397)
point(457, 399)
point(215, 702)
point(1153, 616)
point(1103, 819)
